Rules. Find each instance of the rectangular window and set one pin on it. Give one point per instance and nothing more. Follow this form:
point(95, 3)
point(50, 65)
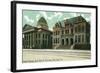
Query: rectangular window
point(76, 39)
point(39, 35)
point(39, 41)
point(54, 40)
point(58, 40)
point(56, 32)
point(71, 31)
point(65, 31)
point(36, 35)
point(62, 32)
point(79, 38)
point(76, 29)
point(43, 35)
point(83, 28)
point(46, 36)
point(82, 38)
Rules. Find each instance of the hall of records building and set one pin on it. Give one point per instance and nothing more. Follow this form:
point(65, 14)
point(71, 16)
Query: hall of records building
point(37, 37)
point(73, 33)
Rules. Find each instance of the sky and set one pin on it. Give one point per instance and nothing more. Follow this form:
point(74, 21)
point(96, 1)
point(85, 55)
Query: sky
point(31, 17)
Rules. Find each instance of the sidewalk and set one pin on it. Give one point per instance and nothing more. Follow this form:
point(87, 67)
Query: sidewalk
point(38, 55)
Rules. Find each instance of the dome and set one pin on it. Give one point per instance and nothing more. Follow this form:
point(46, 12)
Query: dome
point(42, 23)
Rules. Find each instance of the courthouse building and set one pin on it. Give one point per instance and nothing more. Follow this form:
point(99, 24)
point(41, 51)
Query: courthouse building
point(37, 37)
point(71, 33)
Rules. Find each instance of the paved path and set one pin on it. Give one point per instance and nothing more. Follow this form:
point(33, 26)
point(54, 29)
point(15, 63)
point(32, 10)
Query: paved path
point(34, 55)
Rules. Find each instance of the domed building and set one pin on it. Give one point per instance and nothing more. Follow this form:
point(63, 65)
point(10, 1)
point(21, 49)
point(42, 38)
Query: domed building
point(39, 37)
point(42, 23)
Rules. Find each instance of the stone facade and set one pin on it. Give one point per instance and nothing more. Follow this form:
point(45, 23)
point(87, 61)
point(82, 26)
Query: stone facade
point(69, 32)
point(37, 37)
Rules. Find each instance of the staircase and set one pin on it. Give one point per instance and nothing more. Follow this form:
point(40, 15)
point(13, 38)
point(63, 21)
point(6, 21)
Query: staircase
point(64, 47)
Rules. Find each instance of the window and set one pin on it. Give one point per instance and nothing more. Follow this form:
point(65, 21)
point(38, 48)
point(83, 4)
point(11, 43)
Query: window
point(43, 42)
point(76, 29)
point(71, 30)
point(62, 32)
point(79, 38)
point(66, 41)
point(58, 32)
point(36, 35)
point(39, 41)
point(43, 35)
point(79, 28)
point(82, 38)
point(39, 35)
point(54, 40)
point(76, 39)
point(83, 28)
point(66, 31)
point(88, 39)
point(58, 40)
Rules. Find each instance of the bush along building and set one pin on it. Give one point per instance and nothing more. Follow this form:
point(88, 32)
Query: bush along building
point(37, 37)
point(73, 33)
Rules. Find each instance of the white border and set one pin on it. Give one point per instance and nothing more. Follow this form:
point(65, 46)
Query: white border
point(53, 64)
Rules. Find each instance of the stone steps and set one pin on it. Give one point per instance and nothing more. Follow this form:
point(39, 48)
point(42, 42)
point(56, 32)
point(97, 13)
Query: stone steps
point(64, 47)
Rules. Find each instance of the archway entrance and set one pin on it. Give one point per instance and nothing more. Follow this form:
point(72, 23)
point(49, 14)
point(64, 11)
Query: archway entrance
point(62, 41)
point(71, 40)
point(67, 41)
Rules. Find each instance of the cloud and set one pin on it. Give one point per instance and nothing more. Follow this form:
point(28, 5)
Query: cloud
point(50, 17)
point(65, 18)
point(84, 16)
point(51, 29)
point(44, 14)
point(58, 14)
point(70, 15)
point(28, 19)
point(37, 17)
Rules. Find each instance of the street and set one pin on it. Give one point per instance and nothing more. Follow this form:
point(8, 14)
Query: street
point(46, 55)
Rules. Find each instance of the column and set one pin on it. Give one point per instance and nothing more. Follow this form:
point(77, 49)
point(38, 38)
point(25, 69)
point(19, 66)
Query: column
point(24, 41)
point(27, 40)
point(30, 40)
point(69, 41)
point(33, 40)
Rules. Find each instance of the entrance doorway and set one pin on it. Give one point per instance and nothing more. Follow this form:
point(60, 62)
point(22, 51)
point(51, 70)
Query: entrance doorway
point(71, 41)
point(62, 41)
point(67, 41)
